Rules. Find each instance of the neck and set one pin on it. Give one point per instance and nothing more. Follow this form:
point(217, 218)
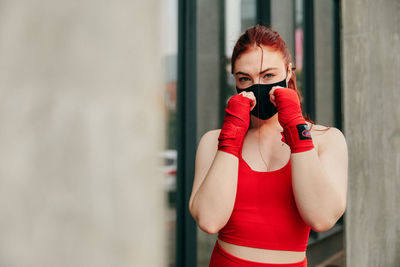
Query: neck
point(269, 125)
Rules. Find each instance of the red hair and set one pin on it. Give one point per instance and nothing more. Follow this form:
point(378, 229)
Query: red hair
point(261, 35)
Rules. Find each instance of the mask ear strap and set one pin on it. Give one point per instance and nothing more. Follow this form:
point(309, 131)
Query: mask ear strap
point(287, 71)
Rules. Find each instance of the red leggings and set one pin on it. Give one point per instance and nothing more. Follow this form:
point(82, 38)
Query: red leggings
point(222, 258)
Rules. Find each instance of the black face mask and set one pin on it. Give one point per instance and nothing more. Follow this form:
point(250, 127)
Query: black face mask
point(264, 108)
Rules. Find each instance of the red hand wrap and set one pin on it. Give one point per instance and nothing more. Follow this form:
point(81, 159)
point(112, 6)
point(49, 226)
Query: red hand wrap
point(295, 130)
point(236, 123)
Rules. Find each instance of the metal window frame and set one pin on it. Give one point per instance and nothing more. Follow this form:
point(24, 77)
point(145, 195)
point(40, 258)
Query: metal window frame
point(263, 12)
point(186, 228)
point(309, 59)
point(336, 65)
point(224, 90)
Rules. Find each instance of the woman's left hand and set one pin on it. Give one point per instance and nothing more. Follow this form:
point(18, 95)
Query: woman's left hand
point(287, 102)
point(295, 129)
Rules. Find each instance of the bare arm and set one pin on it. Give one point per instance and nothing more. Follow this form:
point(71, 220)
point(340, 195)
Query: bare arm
point(214, 187)
point(320, 181)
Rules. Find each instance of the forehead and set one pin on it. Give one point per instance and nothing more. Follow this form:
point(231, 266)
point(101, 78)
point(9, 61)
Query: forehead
point(250, 60)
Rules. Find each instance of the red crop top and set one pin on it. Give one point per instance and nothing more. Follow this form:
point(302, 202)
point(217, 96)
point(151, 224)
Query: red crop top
point(265, 214)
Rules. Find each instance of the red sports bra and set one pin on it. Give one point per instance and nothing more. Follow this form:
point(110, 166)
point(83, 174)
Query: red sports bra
point(265, 214)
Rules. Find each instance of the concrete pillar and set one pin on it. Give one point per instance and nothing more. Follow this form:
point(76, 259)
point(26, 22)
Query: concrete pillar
point(208, 58)
point(371, 67)
point(282, 17)
point(81, 120)
point(324, 47)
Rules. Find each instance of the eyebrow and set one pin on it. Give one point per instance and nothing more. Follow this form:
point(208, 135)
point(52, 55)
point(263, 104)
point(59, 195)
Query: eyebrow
point(267, 69)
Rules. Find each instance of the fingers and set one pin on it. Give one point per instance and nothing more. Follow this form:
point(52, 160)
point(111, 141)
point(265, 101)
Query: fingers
point(251, 96)
point(272, 95)
point(273, 90)
point(278, 94)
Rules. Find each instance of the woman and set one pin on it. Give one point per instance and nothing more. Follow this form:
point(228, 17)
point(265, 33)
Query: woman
point(269, 175)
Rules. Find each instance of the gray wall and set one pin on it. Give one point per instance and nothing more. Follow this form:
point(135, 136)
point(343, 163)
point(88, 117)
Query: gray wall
point(324, 90)
point(371, 67)
point(208, 70)
point(81, 127)
point(282, 21)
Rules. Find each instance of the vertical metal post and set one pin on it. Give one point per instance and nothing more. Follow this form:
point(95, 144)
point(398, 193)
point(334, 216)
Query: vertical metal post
point(223, 86)
point(186, 229)
point(337, 79)
point(336, 65)
point(264, 12)
point(309, 59)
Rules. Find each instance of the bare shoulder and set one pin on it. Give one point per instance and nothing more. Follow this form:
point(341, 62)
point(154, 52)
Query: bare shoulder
point(207, 148)
point(210, 136)
point(209, 140)
point(328, 137)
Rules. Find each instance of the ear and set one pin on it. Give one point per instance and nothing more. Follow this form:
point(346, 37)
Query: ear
point(290, 73)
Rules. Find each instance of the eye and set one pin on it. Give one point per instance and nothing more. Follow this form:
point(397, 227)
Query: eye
point(269, 75)
point(243, 79)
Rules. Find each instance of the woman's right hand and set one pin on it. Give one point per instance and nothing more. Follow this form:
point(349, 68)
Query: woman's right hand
point(251, 96)
point(236, 123)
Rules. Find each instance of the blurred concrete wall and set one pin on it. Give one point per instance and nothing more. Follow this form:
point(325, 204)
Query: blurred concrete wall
point(81, 126)
point(324, 46)
point(282, 20)
point(208, 65)
point(371, 67)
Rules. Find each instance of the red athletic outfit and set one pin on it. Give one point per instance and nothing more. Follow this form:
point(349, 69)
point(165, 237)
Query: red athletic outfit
point(265, 214)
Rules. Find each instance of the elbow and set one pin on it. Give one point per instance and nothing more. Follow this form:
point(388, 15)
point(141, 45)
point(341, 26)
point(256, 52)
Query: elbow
point(208, 227)
point(205, 221)
point(321, 226)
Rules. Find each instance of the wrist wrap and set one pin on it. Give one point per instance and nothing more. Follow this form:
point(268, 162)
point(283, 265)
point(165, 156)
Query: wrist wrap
point(236, 123)
point(296, 132)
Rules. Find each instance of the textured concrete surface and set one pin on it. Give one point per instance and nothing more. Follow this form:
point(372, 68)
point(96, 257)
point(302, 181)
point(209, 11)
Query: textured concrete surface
point(208, 70)
point(81, 128)
point(324, 90)
point(282, 20)
point(371, 67)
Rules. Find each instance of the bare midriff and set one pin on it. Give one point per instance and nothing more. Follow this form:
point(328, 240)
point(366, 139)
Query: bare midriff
point(263, 255)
